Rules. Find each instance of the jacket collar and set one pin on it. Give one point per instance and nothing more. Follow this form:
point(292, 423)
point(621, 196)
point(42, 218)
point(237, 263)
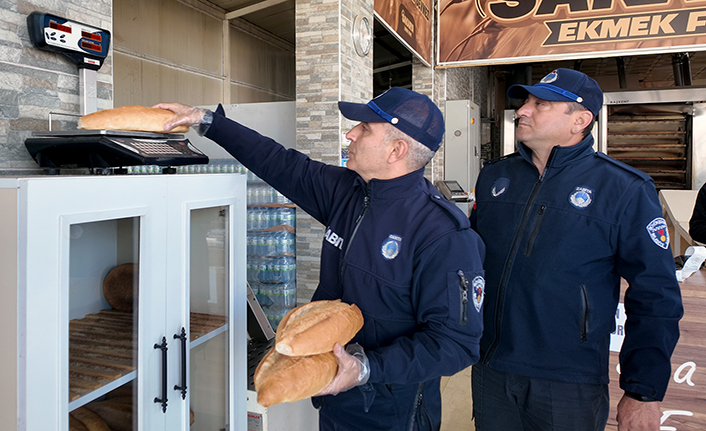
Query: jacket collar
point(562, 156)
point(396, 188)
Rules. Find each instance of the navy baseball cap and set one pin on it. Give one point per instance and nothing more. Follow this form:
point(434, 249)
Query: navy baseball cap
point(563, 85)
point(413, 113)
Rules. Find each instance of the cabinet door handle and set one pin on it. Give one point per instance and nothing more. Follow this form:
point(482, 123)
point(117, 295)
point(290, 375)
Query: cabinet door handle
point(163, 348)
point(182, 336)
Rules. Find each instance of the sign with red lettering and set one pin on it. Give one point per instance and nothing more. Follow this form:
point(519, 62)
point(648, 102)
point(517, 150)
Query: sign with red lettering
point(410, 22)
point(509, 31)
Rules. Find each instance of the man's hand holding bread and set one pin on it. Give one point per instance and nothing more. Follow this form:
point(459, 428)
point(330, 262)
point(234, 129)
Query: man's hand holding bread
point(308, 358)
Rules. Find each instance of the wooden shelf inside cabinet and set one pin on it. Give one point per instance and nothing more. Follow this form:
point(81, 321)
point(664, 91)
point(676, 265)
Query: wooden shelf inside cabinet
point(101, 350)
point(203, 327)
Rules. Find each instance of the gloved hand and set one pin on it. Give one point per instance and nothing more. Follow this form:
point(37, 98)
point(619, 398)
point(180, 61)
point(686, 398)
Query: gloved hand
point(349, 370)
point(184, 115)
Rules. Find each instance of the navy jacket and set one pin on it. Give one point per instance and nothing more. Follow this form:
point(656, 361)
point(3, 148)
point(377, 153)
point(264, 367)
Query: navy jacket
point(557, 246)
point(404, 255)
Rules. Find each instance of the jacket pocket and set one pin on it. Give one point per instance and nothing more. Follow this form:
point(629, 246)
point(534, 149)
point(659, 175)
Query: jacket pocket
point(585, 309)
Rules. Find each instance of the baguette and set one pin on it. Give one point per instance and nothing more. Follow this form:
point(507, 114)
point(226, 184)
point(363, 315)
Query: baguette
point(284, 379)
point(133, 118)
point(314, 328)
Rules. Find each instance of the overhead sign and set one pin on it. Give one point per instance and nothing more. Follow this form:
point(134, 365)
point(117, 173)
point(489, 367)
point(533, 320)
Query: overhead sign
point(410, 22)
point(506, 31)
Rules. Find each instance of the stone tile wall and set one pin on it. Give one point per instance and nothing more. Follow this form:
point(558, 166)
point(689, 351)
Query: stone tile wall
point(34, 83)
point(328, 70)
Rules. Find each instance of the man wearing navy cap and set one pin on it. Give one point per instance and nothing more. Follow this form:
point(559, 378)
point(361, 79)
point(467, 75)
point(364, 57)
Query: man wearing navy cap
point(393, 246)
point(562, 225)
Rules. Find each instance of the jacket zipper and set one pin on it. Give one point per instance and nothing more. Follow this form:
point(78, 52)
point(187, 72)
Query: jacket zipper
point(511, 258)
point(463, 286)
point(366, 205)
point(535, 230)
point(584, 323)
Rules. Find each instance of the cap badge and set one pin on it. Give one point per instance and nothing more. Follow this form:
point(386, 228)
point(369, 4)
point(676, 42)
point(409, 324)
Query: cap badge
point(499, 186)
point(391, 247)
point(550, 78)
point(657, 229)
point(581, 197)
point(395, 120)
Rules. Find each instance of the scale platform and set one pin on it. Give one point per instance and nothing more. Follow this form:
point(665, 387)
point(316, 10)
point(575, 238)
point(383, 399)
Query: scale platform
point(111, 148)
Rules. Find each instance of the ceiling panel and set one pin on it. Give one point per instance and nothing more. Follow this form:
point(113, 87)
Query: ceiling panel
point(391, 58)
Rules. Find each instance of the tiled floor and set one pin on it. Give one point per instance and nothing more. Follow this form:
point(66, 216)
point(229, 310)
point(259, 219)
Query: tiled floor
point(456, 404)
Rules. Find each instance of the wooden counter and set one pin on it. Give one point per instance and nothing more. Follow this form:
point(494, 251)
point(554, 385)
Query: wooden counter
point(684, 405)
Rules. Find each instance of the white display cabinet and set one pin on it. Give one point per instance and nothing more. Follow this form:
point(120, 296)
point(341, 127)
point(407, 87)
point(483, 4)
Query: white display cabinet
point(77, 348)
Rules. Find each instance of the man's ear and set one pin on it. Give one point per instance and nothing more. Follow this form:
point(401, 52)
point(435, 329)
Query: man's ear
point(398, 150)
point(583, 119)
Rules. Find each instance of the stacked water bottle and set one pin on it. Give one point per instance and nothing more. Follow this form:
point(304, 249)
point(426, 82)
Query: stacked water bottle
point(271, 250)
point(214, 166)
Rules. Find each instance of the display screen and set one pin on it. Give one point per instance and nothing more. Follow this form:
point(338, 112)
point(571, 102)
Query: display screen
point(454, 187)
point(90, 46)
point(61, 27)
point(93, 36)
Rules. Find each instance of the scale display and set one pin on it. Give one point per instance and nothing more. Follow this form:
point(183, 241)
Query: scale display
point(83, 44)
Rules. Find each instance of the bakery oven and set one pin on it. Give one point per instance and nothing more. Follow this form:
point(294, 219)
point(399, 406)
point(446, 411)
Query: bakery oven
point(660, 132)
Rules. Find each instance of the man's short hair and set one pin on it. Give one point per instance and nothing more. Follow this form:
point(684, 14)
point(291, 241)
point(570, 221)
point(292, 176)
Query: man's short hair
point(576, 106)
point(418, 154)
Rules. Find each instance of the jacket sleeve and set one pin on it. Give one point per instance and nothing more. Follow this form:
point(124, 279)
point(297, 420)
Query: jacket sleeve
point(697, 223)
point(308, 183)
point(449, 331)
point(652, 300)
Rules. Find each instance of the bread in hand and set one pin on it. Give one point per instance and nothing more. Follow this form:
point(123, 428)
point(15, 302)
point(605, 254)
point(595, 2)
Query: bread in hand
point(132, 118)
point(283, 379)
point(314, 328)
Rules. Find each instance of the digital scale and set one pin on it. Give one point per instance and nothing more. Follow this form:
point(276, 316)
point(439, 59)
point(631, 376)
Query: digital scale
point(111, 148)
point(87, 47)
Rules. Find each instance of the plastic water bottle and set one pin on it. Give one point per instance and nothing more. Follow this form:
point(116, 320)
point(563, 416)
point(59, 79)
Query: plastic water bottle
point(252, 219)
point(265, 274)
point(252, 271)
point(251, 244)
point(270, 244)
point(288, 293)
point(288, 217)
point(288, 246)
point(279, 243)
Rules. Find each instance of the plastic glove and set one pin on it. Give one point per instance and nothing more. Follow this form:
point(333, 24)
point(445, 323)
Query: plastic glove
point(349, 370)
point(184, 115)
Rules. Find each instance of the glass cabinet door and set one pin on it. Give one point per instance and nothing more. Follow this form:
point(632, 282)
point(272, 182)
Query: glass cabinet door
point(103, 322)
point(92, 302)
point(208, 367)
point(209, 298)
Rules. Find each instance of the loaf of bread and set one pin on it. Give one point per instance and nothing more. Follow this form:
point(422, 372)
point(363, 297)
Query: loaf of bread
point(119, 286)
point(116, 412)
point(314, 328)
point(283, 379)
point(90, 420)
point(76, 425)
point(133, 118)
